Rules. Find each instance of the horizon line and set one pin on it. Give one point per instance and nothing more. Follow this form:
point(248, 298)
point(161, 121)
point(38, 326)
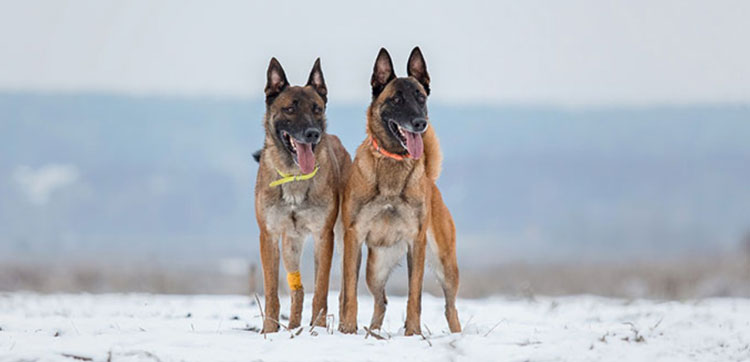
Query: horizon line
point(215, 97)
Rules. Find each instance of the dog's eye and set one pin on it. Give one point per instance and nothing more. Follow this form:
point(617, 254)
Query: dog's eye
point(420, 97)
point(288, 110)
point(396, 100)
point(316, 109)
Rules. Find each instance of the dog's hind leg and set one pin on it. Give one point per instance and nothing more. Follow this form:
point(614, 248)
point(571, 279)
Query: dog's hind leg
point(291, 253)
point(323, 256)
point(269, 257)
point(380, 263)
point(444, 265)
point(441, 245)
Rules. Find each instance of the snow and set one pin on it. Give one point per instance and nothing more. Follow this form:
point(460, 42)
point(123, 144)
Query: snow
point(143, 327)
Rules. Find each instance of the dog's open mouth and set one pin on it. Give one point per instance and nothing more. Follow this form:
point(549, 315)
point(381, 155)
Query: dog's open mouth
point(411, 141)
point(302, 153)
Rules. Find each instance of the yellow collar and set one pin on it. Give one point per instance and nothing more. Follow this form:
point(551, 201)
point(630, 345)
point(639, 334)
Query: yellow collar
point(289, 178)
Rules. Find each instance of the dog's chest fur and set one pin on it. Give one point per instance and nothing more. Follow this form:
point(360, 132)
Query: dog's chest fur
point(396, 212)
point(296, 209)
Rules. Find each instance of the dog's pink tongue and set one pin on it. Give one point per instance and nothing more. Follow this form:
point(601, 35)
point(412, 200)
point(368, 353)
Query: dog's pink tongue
point(305, 157)
point(414, 144)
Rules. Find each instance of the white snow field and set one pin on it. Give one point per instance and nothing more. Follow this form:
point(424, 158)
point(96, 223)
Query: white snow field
point(142, 327)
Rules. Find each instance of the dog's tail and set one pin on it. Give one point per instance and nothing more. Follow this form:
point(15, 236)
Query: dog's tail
point(256, 155)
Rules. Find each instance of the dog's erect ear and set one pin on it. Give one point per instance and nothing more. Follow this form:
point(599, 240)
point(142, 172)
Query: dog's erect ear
point(276, 80)
point(417, 68)
point(382, 73)
point(317, 82)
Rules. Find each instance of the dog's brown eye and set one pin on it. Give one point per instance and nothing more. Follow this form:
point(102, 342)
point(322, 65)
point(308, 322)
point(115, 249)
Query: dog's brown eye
point(288, 110)
point(421, 98)
point(316, 109)
point(396, 100)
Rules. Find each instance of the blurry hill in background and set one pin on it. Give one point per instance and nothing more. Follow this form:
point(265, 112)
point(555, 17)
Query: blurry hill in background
point(122, 177)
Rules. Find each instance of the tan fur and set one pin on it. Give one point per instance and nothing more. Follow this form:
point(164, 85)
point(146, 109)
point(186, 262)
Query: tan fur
point(294, 210)
point(394, 207)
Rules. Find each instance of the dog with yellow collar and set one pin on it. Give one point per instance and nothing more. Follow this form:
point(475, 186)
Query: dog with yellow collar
point(297, 192)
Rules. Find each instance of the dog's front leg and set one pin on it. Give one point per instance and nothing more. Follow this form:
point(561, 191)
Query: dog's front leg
point(269, 257)
point(352, 259)
point(323, 256)
point(415, 263)
point(292, 251)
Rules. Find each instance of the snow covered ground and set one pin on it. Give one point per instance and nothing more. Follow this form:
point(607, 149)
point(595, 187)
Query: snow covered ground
point(141, 327)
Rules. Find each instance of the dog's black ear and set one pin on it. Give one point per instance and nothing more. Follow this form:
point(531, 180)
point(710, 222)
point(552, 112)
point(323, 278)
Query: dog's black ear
point(317, 82)
point(256, 155)
point(382, 73)
point(417, 68)
point(276, 80)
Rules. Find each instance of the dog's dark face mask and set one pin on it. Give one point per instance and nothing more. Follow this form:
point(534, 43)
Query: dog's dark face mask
point(400, 104)
point(295, 115)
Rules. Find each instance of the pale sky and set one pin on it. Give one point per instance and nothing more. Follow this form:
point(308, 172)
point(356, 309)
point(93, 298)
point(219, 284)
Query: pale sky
point(540, 52)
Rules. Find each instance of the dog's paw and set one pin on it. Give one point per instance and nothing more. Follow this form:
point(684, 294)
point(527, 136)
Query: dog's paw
point(270, 326)
point(413, 330)
point(348, 328)
point(321, 322)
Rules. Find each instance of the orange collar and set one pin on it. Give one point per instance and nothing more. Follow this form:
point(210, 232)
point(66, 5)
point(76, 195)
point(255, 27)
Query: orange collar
point(383, 152)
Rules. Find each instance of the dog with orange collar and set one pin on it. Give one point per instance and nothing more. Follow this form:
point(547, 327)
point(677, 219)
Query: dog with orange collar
point(391, 203)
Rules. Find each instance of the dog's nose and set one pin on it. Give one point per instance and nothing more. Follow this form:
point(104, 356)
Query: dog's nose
point(419, 124)
point(312, 135)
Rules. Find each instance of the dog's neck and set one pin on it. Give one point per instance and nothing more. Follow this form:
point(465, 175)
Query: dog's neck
point(393, 175)
point(384, 152)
